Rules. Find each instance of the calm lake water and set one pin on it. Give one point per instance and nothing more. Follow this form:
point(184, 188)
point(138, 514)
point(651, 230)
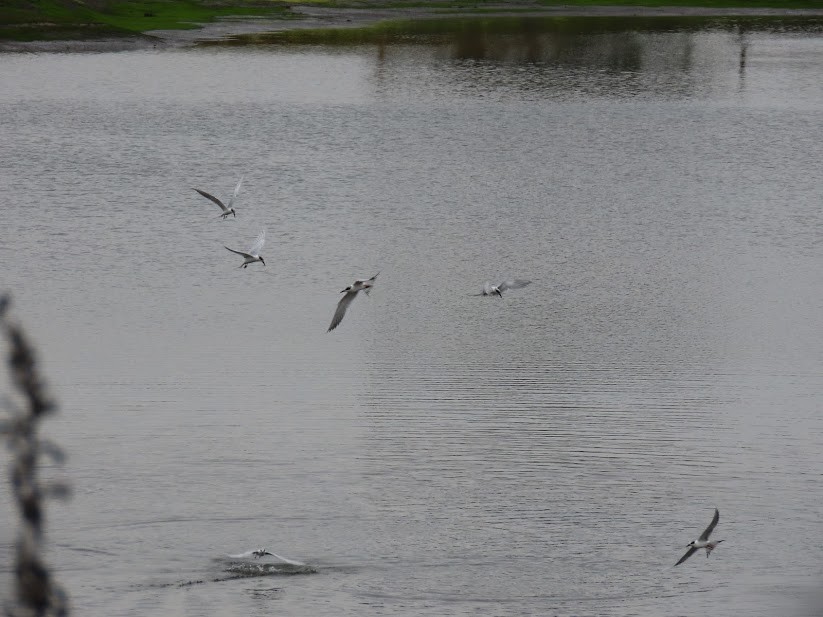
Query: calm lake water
point(548, 453)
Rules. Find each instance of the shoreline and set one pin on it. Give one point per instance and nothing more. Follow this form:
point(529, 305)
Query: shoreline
point(324, 17)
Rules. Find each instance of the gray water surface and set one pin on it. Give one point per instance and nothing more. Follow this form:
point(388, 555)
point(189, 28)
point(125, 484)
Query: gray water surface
point(548, 453)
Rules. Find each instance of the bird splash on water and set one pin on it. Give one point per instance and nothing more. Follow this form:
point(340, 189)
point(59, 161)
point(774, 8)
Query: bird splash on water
point(364, 285)
point(703, 540)
point(227, 209)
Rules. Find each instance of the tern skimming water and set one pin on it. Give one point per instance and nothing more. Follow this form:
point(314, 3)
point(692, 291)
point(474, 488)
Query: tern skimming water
point(227, 209)
point(703, 540)
point(292, 562)
point(350, 292)
point(497, 290)
point(254, 252)
point(261, 552)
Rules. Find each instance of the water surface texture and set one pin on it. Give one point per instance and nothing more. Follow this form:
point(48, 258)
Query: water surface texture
point(548, 453)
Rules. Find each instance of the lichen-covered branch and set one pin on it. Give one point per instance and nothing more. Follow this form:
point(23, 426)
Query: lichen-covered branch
point(35, 592)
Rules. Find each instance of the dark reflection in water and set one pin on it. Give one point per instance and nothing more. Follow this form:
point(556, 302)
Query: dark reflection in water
point(474, 31)
point(565, 56)
point(531, 39)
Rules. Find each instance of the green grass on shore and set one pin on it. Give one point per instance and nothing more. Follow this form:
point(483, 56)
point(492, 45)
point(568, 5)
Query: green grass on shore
point(707, 4)
point(522, 5)
point(25, 20)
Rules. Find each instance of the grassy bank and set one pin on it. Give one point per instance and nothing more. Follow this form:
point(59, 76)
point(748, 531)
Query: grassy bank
point(537, 4)
point(28, 20)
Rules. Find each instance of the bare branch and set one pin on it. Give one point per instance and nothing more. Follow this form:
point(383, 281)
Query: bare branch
point(37, 595)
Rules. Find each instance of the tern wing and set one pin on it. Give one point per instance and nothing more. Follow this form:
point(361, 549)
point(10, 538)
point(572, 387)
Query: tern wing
point(341, 309)
point(246, 255)
point(236, 190)
point(368, 287)
point(258, 244)
point(688, 554)
point(214, 199)
point(705, 535)
point(371, 280)
point(513, 284)
point(291, 562)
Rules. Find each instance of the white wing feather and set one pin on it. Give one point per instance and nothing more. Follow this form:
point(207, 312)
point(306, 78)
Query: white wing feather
point(258, 244)
point(340, 311)
point(291, 562)
point(513, 284)
point(236, 190)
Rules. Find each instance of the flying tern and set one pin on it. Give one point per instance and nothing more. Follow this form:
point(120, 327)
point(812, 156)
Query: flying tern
point(703, 540)
point(350, 292)
point(227, 209)
point(497, 290)
point(254, 252)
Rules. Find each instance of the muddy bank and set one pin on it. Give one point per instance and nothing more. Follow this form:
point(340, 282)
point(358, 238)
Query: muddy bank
point(323, 17)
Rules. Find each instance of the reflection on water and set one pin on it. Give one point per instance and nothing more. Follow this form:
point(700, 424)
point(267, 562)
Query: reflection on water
point(613, 43)
point(495, 37)
point(565, 55)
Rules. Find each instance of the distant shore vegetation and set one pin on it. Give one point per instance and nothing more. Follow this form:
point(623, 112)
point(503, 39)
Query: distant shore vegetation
point(43, 20)
point(30, 20)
